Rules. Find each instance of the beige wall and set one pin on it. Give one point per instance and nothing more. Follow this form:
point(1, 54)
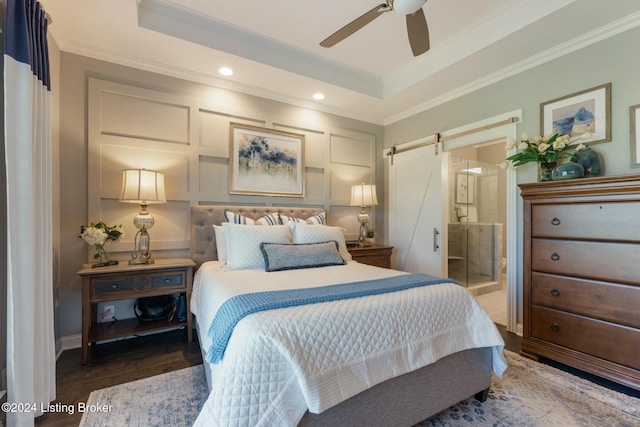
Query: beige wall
point(98, 141)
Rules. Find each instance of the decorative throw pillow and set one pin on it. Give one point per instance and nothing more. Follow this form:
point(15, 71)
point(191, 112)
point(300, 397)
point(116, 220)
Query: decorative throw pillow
point(236, 218)
point(317, 219)
point(243, 243)
point(278, 256)
point(304, 233)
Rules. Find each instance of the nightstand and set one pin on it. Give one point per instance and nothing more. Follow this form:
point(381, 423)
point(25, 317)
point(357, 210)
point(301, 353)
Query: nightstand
point(377, 255)
point(124, 281)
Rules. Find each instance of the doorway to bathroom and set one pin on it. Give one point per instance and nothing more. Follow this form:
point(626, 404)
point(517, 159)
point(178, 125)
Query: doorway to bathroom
point(476, 230)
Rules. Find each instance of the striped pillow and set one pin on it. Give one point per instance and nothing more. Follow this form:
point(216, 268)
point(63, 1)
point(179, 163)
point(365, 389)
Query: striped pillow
point(236, 218)
point(317, 219)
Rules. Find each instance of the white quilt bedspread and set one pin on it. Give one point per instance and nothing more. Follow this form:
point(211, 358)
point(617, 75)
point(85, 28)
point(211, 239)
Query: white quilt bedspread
point(280, 363)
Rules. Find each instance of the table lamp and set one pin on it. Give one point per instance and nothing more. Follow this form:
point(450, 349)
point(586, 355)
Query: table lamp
point(144, 187)
point(363, 195)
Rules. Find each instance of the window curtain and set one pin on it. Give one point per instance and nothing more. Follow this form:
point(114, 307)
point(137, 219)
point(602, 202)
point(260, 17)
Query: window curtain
point(30, 336)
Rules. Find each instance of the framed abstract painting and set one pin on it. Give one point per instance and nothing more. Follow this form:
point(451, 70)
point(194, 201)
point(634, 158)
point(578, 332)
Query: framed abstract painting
point(265, 161)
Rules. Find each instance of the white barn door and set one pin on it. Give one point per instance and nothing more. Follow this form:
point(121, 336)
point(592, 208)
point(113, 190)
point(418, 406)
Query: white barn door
point(416, 210)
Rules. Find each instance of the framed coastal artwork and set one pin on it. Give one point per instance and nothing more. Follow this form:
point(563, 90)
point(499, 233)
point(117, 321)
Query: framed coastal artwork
point(265, 161)
point(579, 113)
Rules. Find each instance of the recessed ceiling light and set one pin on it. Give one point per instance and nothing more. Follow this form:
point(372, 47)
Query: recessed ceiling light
point(226, 71)
point(318, 96)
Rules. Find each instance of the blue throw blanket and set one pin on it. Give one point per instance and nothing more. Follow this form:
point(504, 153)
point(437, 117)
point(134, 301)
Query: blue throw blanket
point(239, 306)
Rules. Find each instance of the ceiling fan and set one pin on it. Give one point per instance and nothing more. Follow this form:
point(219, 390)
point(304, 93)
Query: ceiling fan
point(417, 29)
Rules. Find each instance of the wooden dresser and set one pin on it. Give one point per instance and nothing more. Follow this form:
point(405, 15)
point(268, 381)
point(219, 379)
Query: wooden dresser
point(582, 275)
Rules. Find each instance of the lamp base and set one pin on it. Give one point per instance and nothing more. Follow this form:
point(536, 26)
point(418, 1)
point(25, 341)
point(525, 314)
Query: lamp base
point(141, 255)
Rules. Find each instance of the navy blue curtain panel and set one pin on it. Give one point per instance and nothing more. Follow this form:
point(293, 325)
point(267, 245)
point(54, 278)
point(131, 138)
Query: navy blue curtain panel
point(26, 37)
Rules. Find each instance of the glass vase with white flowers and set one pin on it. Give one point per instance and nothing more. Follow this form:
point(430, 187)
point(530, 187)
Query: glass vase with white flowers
point(99, 234)
point(545, 151)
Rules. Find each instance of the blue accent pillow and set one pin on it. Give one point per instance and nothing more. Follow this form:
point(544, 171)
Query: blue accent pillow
point(291, 256)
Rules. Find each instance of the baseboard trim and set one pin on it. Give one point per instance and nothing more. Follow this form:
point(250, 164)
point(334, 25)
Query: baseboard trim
point(69, 342)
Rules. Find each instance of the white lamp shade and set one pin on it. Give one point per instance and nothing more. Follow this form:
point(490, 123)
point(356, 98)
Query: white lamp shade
point(142, 186)
point(363, 195)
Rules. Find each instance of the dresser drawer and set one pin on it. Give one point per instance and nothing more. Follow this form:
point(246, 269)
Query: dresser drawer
point(618, 344)
point(600, 300)
point(589, 221)
point(614, 262)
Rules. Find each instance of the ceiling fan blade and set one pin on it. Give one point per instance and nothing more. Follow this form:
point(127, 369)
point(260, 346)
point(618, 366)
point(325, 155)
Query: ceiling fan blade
point(418, 32)
point(355, 25)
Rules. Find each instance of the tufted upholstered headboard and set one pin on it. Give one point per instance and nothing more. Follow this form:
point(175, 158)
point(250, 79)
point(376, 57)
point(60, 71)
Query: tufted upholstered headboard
point(203, 217)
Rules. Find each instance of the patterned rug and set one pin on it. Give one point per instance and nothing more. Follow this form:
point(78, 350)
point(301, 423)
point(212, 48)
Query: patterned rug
point(529, 394)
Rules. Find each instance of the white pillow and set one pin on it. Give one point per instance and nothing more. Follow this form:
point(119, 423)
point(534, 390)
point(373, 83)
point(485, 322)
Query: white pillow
point(304, 233)
point(243, 243)
point(221, 243)
point(317, 219)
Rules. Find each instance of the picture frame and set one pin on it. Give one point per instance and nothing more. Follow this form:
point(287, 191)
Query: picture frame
point(465, 188)
point(265, 161)
point(634, 120)
point(585, 111)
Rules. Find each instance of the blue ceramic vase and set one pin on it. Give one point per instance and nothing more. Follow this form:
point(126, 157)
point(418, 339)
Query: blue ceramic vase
point(590, 161)
point(568, 170)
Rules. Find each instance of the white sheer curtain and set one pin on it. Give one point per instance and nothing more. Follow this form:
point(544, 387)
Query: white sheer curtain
point(30, 336)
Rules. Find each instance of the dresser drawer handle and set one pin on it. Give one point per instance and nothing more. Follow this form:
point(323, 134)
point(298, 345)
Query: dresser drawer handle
point(555, 292)
point(114, 286)
point(555, 220)
point(555, 327)
point(167, 280)
point(555, 256)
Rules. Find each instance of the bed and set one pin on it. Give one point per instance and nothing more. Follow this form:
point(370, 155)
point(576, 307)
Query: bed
point(352, 361)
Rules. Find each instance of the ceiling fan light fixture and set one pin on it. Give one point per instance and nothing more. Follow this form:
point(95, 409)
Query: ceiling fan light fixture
point(407, 7)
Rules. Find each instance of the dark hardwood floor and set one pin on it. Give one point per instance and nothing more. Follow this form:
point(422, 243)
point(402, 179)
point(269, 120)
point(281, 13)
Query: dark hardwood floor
point(116, 363)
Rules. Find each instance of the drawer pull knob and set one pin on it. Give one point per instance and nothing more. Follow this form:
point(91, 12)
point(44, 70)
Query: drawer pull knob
point(555, 221)
point(167, 281)
point(114, 286)
point(555, 292)
point(555, 327)
point(555, 256)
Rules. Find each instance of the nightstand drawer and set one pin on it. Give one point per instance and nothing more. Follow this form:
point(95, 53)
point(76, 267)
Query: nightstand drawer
point(129, 284)
point(106, 286)
point(174, 280)
point(379, 256)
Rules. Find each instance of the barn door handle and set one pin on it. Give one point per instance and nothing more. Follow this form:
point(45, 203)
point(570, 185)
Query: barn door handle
point(435, 239)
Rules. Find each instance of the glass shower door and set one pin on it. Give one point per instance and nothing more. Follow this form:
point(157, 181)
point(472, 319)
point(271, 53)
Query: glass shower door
point(474, 231)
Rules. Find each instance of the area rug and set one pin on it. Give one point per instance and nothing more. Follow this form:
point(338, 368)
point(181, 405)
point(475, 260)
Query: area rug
point(529, 394)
